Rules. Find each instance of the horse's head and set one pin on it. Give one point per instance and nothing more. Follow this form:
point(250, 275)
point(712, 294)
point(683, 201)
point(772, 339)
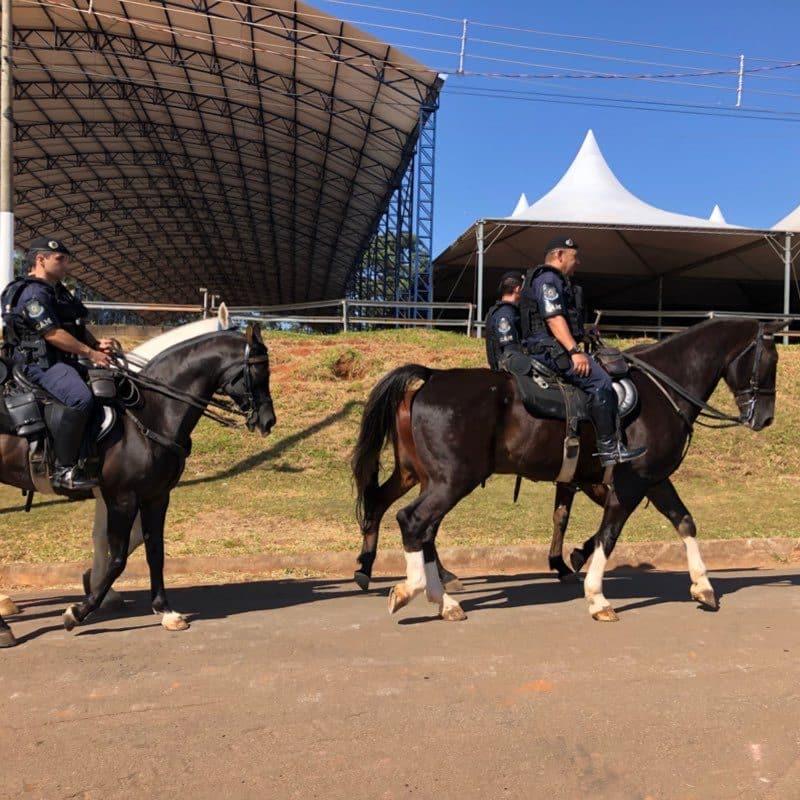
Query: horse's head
point(751, 377)
point(248, 386)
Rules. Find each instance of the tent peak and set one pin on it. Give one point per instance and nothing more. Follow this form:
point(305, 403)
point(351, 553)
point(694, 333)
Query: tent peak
point(717, 215)
point(521, 206)
point(590, 193)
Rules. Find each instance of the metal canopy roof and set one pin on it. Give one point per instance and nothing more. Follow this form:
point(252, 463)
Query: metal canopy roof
point(248, 147)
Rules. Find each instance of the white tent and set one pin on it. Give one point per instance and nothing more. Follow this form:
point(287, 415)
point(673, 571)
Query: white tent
point(790, 223)
point(589, 192)
point(632, 251)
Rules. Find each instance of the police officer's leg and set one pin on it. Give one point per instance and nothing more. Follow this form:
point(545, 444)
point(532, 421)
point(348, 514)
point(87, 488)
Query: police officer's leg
point(67, 421)
point(603, 408)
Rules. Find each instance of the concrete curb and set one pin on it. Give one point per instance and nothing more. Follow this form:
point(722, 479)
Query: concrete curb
point(764, 553)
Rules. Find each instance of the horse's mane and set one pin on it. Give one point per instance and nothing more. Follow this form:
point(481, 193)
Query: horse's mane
point(187, 344)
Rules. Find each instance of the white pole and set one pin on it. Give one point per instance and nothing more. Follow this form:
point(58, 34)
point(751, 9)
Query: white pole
point(6, 148)
point(787, 278)
point(480, 279)
point(463, 47)
point(741, 82)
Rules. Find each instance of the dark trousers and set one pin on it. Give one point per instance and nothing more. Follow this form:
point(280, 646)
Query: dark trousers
point(64, 383)
point(598, 381)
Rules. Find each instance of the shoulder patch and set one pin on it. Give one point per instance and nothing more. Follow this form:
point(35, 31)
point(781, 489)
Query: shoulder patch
point(504, 325)
point(34, 308)
point(550, 292)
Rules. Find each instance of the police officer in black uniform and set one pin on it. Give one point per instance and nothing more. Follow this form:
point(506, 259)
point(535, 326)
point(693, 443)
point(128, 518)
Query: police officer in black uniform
point(503, 328)
point(44, 324)
point(552, 324)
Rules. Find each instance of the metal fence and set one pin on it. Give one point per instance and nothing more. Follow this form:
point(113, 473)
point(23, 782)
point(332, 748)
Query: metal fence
point(657, 323)
point(347, 315)
point(363, 314)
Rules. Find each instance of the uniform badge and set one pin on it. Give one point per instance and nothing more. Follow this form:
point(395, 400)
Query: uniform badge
point(53, 244)
point(34, 308)
point(550, 292)
point(504, 326)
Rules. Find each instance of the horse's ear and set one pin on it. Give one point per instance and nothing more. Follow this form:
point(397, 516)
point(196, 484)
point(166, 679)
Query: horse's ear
point(257, 332)
point(248, 333)
point(776, 325)
point(223, 318)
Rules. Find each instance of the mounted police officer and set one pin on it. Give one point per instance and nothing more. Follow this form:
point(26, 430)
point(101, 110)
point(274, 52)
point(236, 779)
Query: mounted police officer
point(551, 308)
point(503, 328)
point(44, 325)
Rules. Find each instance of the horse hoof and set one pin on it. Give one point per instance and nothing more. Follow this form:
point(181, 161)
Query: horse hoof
point(606, 615)
point(453, 585)
point(361, 579)
point(453, 614)
point(577, 559)
point(398, 597)
point(706, 598)
point(7, 638)
point(570, 578)
point(8, 607)
point(173, 621)
point(69, 618)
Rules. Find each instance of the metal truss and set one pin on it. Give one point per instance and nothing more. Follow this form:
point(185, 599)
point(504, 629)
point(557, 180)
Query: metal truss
point(397, 262)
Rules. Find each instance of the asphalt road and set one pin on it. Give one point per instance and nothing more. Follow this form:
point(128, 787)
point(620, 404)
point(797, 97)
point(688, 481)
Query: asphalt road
point(308, 689)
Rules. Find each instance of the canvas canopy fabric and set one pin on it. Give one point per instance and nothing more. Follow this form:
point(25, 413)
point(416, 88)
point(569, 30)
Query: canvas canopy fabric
point(249, 148)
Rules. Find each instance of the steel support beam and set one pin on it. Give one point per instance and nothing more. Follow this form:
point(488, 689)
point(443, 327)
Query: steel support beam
point(6, 147)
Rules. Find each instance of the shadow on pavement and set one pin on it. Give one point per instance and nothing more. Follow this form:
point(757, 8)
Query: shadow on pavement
point(626, 590)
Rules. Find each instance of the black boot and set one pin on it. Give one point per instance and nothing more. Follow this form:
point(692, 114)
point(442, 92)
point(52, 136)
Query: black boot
point(67, 425)
point(610, 447)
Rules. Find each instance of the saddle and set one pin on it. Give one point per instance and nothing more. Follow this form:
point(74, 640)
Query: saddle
point(23, 406)
point(546, 395)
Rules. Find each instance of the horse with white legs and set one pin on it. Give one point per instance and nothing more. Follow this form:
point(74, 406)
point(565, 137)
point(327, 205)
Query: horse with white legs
point(143, 458)
point(467, 424)
point(140, 355)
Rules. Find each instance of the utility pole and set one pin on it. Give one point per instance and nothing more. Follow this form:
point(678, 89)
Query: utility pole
point(6, 147)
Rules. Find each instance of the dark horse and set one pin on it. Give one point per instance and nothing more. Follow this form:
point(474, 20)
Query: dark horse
point(463, 425)
point(145, 455)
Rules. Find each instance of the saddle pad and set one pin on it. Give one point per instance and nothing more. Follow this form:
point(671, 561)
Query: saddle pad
point(549, 402)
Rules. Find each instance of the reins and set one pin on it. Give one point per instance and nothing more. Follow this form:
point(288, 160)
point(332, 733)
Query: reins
point(706, 410)
point(121, 360)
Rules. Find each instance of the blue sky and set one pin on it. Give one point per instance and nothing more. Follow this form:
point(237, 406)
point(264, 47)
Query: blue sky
point(489, 149)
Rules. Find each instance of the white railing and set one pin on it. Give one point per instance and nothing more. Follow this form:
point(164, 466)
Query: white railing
point(653, 322)
point(350, 313)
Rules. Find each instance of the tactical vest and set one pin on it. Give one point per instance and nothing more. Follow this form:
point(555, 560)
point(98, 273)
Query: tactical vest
point(533, 322)
point(493, 347)
point(20, 338)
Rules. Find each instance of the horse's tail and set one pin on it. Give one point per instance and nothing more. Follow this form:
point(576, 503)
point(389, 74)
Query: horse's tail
point(376, 426)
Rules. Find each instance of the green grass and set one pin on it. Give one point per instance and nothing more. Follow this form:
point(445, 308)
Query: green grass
point(291, 492)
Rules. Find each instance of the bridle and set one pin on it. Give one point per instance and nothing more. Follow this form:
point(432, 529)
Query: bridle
point(242, 383)
point(746, 400)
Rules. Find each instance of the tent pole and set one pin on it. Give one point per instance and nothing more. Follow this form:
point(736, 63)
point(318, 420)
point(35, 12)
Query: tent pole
point(481, 331)
point(787, 277)
point(660, 303)
point(6, 148)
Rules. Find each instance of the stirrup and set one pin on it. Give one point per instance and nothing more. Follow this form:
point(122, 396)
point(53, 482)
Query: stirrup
point(619, 455)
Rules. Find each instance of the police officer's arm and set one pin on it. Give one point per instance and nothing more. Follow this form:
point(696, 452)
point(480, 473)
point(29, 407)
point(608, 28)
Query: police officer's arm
point(58, 337)
point(559, 327)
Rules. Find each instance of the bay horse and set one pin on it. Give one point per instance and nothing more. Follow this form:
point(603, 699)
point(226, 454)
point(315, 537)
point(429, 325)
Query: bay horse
point(452, 429)
point(144, 456)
